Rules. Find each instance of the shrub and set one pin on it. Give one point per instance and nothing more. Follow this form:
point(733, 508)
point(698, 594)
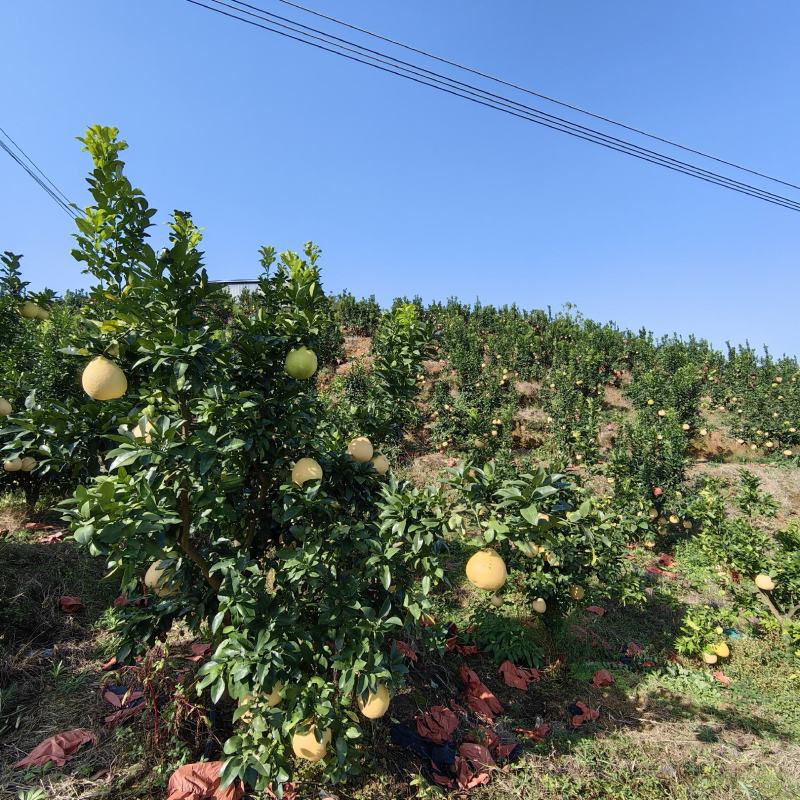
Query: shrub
point(552, 537)
point(300, 585)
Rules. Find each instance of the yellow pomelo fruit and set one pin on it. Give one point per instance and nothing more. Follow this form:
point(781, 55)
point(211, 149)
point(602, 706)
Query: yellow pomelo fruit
point(301, 363)
point(539, 605)
point(487, 570)
point(104, 380)
point(377, 703)
point(42, 313)
point(577, 592)
point(722, 649)
point(380, 464)
point(360, 449)
point(28, 464)
point(5, 407)
point(528, 548)
point(156, 579)
point(764, 582)
point(139, 433)
point(29, 310)
point(12, 465)
point(272, 699)
point(710, 658)
point(306, 469)
point(306, 746)
point(673, 519)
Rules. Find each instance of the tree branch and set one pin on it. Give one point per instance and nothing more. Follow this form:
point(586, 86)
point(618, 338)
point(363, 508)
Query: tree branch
point(187, 545)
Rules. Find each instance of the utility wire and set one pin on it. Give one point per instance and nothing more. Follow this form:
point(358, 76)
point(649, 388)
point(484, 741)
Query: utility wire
point(474, 91)
point(534, 93)
point(488, 99)
point(31, 168)
point(61, 204)
point(36, 167)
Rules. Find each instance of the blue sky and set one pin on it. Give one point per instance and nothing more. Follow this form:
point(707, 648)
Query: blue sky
point(409, 191)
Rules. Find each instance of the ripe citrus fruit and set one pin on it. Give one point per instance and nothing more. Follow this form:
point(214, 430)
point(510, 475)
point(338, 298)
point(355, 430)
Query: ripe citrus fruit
point(306, 469)
point(301, 363)
point(377, 703)
point(764, 582)
point(156, 579)
point(380, 464)
point(28, 464)
point(272, 699)
point(29, 310)
point(528, 548)
point(487, 570)
point(143, 433)
point(539, 605)
point(306, 746)
point(5, 407)
point(12, 465)
point(577, 592)
point(104, 380)
point(722, 649)
point(360, 449)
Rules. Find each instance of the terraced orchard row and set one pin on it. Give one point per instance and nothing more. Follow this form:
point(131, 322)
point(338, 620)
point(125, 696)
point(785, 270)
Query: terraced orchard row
point(299, 484)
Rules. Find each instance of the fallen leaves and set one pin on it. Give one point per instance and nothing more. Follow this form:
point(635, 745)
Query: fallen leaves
point(581, 713)
point(201, 781)
point(405, 650)
point(536, 734)
point(518, 677)
point(437, 725)
point(127, 702)
point(59, 748)
point(478, 696)
point(722, 678)
point(200, 651)
point(70, 604)
point(602, 678)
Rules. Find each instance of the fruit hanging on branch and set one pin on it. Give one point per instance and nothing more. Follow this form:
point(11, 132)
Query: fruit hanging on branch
point(486, 570)
point(301, 363)
point(360, 449)
point(103, 380)
point(376, 704)
point(306, 469)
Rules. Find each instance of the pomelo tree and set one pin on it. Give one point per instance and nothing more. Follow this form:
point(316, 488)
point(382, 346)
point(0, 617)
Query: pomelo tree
point(542, 535)
point(229, 489)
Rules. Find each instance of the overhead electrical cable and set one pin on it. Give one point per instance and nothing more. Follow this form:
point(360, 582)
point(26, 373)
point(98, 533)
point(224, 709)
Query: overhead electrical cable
point(386, 63)
point(566, 126)
point(532, 92)
point(65, 206)
point(36, 167)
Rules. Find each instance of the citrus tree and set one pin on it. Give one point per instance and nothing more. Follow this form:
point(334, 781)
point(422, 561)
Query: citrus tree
point(543, 536)
point(229, 502)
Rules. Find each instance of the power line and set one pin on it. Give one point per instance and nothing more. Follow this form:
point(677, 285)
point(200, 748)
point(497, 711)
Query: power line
point(564, 125)
point(61, 204)
point(534, 93)
point(485, 98)
point(41, 178)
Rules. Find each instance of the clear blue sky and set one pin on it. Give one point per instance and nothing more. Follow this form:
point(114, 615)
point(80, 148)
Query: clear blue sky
point(410, 191)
